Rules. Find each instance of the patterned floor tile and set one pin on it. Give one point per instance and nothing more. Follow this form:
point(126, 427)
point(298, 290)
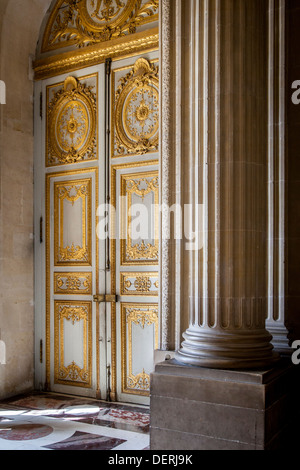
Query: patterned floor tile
point(48, 421)
point(24, 432)
point(85, 441)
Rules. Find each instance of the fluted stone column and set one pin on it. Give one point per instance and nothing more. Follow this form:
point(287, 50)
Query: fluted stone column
point(224, 129)
point(276, 252)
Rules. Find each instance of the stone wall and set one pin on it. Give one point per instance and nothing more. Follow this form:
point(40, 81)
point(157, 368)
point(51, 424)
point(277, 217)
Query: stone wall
point(19, 31)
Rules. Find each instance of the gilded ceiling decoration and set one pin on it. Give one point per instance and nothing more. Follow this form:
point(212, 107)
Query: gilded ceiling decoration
point(87, 22)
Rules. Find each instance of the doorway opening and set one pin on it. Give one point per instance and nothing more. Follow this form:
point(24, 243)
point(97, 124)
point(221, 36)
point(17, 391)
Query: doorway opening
point(96, 200)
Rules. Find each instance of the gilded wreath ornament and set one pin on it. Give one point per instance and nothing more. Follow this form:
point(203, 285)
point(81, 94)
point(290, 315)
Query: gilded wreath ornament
point(136, 110)
point(72, 118)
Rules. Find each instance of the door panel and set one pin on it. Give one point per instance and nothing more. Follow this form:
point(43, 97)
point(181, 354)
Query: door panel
point(73, 343)
point(72, 274)
point(135, 228)
point(98, 138)
point(73, 144)
point(139, 338)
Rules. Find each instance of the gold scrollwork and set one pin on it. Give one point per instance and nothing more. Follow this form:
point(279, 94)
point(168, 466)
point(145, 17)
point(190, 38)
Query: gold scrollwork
point(88, 22)
point(73, 374)
point(144, 316)
point(72, 191)
point(73, 283)
point(140, 381)
point(139, 284)
point(136, 111)
point(71, 124)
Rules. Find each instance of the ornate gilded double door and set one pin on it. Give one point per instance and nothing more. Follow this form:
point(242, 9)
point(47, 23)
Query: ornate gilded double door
point(97, 210)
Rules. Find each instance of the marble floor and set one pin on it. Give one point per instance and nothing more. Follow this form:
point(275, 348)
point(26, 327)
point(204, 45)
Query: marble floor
point(44, 421)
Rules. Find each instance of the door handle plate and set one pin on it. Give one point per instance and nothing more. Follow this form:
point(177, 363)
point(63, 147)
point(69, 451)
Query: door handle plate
point(105, 298)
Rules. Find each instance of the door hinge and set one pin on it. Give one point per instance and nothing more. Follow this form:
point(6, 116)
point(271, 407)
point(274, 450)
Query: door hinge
point(105, 298)
point(108, 398)
point(108, 66)
point(41, 230)
point(41, 105)
point(41, 351)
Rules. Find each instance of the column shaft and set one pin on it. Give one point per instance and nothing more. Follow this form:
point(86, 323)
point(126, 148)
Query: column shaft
point(226, 118)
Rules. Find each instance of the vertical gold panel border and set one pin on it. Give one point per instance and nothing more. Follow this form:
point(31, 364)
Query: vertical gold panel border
point(48, 274)
point(113, 184)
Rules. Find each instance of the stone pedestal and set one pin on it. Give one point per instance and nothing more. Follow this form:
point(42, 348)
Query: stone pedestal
point(196, 408)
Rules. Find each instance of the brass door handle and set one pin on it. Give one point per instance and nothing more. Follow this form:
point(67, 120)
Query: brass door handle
point(105, 298)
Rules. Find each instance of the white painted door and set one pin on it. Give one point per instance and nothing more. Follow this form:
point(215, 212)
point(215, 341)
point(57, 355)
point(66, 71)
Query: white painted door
point(96, 134)
point(70, 183)
point(135, 194)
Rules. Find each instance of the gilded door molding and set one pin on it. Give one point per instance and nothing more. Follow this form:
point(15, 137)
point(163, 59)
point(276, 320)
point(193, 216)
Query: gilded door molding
point(67, 283)
point(115, 171)
point(139, 283)
point(72, 283)
point(73, 314)
point(143, 316)
point(72, 192)
point(140, 185)
point(128, 46)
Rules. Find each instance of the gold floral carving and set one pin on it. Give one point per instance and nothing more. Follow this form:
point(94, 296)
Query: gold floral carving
point(71, 124)
point(73, 283)
point(88, 22)
point(136, 111)
point(139, 284)
point(139, 382)
point(113, 280)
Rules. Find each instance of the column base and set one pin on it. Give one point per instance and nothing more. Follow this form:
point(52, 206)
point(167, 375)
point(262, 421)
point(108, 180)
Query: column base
point(222, 349)
point(280, 339)
point(207, 409)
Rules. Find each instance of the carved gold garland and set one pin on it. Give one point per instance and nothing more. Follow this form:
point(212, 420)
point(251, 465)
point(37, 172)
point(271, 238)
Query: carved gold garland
point(88, 22)
point(136, 111)
point(71, 124)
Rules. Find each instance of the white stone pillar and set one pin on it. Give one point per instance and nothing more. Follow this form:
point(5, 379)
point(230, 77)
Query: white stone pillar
point(277, 178)
point(223, 133)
